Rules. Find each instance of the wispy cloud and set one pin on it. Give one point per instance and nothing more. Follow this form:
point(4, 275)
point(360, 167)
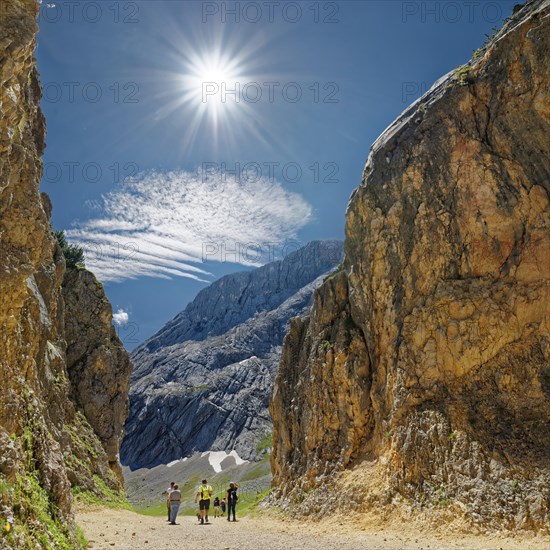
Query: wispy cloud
point(160, 224)
point(120, 318)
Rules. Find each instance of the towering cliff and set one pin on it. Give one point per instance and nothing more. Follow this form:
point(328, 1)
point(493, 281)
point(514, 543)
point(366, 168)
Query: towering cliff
point(203, 381)
point(52, 445)
point(421, 379)
point(97, 363)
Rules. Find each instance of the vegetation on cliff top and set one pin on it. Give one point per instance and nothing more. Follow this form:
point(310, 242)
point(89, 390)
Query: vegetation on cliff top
point(74, 255)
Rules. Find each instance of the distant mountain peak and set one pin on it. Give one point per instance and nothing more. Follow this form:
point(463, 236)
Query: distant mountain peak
point(235, 297)
point(202, 383)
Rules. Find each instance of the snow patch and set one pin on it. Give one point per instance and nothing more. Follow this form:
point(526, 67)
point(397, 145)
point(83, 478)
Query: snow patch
point(174, 462)
point(215, 458)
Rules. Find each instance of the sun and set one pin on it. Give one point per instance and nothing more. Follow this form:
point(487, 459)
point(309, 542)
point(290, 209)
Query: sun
point(212, 81)
point(216, 73)
point(202, 89)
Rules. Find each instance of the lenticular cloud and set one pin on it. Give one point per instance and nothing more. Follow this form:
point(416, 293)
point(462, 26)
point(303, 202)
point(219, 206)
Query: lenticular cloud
point(168, 224)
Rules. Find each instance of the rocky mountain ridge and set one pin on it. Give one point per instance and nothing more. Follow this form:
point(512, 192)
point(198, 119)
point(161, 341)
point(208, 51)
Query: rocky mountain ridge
point(233, 299)
point(422, 373)
point(211, 392)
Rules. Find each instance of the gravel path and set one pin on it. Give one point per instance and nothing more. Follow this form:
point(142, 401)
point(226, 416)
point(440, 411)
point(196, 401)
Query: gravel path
point(125, 530)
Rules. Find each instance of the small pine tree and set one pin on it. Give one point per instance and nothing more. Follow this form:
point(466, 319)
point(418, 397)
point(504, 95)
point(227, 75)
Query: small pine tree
point(74, 255)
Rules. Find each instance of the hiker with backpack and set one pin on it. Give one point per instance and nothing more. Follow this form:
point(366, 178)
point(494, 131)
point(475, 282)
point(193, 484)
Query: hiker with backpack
point(232, 498)
point(203, 496)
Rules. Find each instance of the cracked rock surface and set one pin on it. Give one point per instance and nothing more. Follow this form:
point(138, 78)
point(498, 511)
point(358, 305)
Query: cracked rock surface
point(423, 370)
point(50, 440)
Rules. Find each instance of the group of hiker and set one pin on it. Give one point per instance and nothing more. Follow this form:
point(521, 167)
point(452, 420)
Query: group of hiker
point(203, 497)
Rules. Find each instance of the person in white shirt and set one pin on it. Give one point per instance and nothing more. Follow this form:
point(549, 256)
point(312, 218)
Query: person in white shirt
point(167, 493)
point(175, 500)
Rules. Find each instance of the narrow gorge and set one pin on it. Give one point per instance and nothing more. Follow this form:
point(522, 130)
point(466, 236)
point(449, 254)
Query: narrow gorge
point(396, 383)
point(203, 381)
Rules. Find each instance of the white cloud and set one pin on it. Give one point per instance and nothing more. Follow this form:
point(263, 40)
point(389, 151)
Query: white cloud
point(120, 318)
point(163, 224)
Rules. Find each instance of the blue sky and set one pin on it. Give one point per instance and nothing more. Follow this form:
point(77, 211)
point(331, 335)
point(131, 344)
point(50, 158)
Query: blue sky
point(169, 183)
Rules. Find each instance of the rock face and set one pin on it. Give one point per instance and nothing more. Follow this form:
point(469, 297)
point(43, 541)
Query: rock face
point(99, 367)
point(48, 443)
point(203, 381)
point(422, 374)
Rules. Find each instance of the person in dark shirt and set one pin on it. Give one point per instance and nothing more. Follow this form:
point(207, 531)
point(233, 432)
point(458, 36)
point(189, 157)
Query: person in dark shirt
point(232, 498)
point(216, 507)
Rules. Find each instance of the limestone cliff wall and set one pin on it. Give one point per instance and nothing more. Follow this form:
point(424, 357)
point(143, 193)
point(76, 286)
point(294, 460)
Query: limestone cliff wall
point(98, 365)
point(48, 441)
point(421, 379)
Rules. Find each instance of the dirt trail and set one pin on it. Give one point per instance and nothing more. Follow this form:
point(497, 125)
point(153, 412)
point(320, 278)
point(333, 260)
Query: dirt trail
point(125, 530)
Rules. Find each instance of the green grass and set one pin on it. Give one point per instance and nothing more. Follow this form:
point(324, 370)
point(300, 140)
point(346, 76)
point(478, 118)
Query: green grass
point(265, 443)
point(37, 519)
point(107, 498)
point(81, 538)
point(339, 268)
point(445, 502)
point(82, 435)
point(250, 506)
point(156, 509)
point(245, 506)
point(250, 493)
point(259, 470)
